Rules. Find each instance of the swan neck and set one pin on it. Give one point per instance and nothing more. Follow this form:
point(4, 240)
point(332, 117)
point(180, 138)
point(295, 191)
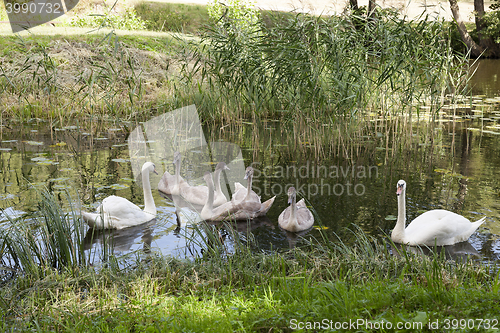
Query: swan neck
point(398, 233)
point(217, 181)
point(149, 203)
point(249, 187)
point(178, 171)
point(293, 212)
point(206, 212)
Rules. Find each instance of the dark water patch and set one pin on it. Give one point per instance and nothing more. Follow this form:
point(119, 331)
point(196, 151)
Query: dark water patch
point(486, 78)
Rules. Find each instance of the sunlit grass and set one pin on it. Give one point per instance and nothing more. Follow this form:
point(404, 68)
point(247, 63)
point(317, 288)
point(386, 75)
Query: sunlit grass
point(358, 279)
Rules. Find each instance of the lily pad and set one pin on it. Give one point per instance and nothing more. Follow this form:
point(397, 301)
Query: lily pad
point(60, 179)
point(120, 160)
point(33, 143)
point(119, 186)
point(391, 218)
point(5, 149)
point(321, 227)
point(47, 162)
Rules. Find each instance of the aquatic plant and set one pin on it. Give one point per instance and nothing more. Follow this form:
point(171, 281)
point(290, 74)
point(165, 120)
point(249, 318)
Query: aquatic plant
point(353, 278)
point(321, 68)
point(51, 239)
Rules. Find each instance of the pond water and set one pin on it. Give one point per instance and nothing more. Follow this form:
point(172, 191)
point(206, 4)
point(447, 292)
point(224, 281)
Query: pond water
point(453, 165)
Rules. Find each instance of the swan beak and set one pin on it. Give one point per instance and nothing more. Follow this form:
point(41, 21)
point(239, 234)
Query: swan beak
point(400, 189)
point(154, 170)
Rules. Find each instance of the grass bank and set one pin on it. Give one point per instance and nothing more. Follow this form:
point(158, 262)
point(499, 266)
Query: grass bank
point(321, 285)
point(264, 293)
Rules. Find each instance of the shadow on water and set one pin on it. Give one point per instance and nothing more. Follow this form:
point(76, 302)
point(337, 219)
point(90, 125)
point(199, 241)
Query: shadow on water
point(121, 241)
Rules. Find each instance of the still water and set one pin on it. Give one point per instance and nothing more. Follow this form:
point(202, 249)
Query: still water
point(453, 164)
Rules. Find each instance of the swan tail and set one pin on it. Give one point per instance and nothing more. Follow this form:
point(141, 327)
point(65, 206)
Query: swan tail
point(473, 228)
point(479, 222)
point(266, 205)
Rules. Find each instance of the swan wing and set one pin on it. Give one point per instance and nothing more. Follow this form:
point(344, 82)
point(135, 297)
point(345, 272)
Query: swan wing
point(240, 193)
point(223, 212)
point(167, 183)
point(266, 205)
point(301, 203)
point(305, 218)
point(439, 227)
point(284, 217)
point(120, 213)
point(196, 195)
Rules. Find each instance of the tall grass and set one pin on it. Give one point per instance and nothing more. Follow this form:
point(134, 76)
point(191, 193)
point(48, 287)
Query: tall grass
point(52, 239)
point(92, 77)
point(355, 278)
point(323, 68)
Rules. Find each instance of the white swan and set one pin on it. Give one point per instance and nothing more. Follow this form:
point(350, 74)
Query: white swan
point(435, 227)
point(251, 199)
point(241, 193)
point(296, 217)
point(228, 211)
point(118, 213)
point(198, 195)
point(170, 184)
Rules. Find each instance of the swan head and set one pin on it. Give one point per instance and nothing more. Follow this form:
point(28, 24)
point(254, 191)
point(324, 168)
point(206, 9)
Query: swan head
point(207, 176)
point(248, 173)
point(149, 166)
point(291, 194)
point(222, 166)
point(401, 187)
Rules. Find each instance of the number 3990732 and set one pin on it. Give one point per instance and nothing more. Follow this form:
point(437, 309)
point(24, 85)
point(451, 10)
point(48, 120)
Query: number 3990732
point(34, 8)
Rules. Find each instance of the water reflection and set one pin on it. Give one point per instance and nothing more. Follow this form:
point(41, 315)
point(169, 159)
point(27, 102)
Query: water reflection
point(486, 78)
point(459, 252)
point(121, 241)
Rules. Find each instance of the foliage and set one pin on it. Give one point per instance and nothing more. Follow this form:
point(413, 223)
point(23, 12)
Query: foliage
point(91, 75)
point(128, 20)
point(172, 16)
point(324, 67)
point(3, 14)
point(492, 25)
point(240, 17)
point(52, 240)
point(359, 279)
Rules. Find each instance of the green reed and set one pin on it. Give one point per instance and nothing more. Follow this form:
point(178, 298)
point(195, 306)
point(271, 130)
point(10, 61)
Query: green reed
point(322, 68)
point(91, 77)
point(357, 277)
point(52, 239)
